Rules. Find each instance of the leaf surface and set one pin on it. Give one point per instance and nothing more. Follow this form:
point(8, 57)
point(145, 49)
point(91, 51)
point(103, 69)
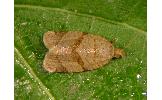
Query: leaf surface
point(120, 79)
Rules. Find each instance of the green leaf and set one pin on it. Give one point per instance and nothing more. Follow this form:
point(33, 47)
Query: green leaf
point(120, 20)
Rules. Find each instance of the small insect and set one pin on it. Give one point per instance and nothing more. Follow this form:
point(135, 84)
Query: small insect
point(77, 51)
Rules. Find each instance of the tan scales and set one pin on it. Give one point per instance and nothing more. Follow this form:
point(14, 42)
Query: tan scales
point(77, 51)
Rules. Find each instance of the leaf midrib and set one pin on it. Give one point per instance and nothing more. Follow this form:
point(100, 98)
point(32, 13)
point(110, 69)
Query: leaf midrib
point(28, 67)
point(82, 14)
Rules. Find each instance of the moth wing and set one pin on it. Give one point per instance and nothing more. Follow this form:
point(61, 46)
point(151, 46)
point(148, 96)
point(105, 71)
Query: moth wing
point(51, 39)
point(62, 56)
point(93, 51)
point(72, 61)
point(51, 63)
point(71, 39)
point(62, 63)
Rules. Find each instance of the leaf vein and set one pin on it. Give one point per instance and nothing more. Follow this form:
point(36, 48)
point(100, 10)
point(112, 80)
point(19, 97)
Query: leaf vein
point(33, 74)
point(81, 14)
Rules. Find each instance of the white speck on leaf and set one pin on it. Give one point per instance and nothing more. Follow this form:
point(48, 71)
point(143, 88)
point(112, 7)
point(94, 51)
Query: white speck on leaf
point(75, 11)
point(121, 80)
point(24, 23)
point(138, 76)
point(132, 94)
point(144, 93)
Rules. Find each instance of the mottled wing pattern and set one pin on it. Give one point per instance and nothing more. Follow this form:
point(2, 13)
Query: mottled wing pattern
point(50, 38)
point(62, 57)
point(75, 51)
point(95, 51)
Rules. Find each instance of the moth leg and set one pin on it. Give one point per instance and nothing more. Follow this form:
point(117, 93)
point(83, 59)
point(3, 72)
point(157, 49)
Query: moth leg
point(51, 39)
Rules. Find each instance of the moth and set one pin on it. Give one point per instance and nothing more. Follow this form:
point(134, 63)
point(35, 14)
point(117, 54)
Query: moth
point(77, 51)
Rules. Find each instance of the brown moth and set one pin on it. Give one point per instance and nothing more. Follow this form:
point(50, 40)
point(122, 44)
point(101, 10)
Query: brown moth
point(77, 51)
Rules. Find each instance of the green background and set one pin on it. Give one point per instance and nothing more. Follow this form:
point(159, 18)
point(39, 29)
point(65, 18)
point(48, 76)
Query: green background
point(123, 21)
